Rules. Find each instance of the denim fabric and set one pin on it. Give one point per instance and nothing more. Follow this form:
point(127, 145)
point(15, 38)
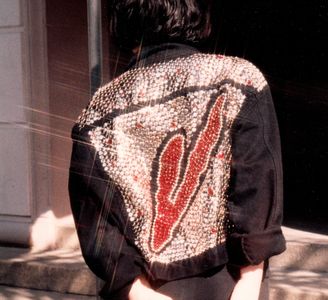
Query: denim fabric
point(254, 201)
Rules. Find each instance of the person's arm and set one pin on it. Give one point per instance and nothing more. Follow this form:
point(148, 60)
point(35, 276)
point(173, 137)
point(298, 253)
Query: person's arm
point(95, 205)
point(249, 284)
point(255, 198)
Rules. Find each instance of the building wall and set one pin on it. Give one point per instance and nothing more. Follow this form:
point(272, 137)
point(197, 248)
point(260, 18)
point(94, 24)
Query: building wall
point(67, 44)
point(44, 84)
point(16, 207)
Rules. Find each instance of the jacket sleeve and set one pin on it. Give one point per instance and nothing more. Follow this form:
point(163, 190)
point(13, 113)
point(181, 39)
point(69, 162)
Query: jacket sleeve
point(104, 246)
point(255, 199)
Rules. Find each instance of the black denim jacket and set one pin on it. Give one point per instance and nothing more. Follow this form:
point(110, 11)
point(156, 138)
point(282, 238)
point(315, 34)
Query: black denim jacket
point(251, 213)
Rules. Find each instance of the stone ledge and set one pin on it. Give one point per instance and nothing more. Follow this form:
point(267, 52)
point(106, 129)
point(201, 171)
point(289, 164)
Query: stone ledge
point(60, 271)
point(296, 285)
point(305, 251)
point(14, 293)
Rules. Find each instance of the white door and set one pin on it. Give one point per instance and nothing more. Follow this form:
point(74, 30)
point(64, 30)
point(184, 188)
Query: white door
point(17, 174)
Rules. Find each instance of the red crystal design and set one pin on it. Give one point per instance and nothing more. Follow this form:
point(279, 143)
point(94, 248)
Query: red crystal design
point(170, 208)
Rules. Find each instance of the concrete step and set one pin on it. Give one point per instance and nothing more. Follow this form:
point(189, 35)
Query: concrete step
point(299, 273)
point(298, 285)
point(14, 293)
point(61, 271)
point(305, 251)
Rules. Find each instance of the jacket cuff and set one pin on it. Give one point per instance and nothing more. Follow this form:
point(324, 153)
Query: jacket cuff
point(253, 248)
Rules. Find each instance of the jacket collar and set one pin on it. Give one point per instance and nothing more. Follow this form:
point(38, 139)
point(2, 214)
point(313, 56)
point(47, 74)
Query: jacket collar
point(159, 53)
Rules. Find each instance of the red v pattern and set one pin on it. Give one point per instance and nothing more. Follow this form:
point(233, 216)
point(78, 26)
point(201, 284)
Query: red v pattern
point(170, 206)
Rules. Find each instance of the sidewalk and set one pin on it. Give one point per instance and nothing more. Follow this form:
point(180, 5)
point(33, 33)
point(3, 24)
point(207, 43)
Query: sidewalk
point(14, 293)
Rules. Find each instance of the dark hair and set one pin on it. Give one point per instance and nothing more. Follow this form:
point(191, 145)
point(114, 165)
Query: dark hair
point(135, 22)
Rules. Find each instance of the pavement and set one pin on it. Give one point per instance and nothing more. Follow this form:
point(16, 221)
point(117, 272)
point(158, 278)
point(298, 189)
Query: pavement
point(301, 272)
point(14, 293)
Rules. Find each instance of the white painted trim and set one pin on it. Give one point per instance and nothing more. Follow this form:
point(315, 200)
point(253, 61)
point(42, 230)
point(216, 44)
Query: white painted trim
point(12, 29)
point(40, 100)
point(15, 232)
point(11, 218)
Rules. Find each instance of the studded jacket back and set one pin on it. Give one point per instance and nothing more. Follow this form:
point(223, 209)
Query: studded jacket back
point(176, 168)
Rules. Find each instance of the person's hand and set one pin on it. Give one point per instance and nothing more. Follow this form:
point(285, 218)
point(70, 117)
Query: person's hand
point(141, 290)
point(249, 284)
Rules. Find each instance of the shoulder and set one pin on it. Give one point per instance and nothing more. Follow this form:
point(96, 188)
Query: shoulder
point(235, 69)
point(246, 73)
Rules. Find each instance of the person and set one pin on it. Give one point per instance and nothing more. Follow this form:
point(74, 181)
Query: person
point(175, 177)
